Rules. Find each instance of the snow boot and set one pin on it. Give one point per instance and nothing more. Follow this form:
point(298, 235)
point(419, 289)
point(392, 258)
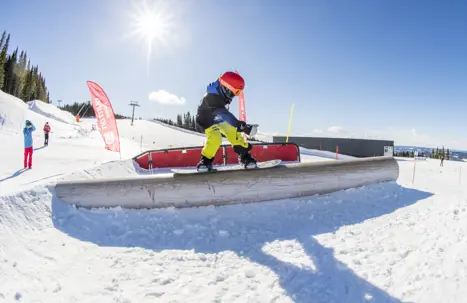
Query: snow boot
point(205, 164)
point(247, 161)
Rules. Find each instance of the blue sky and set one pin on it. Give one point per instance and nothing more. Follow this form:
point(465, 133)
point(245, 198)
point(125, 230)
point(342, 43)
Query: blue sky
point(389, 69)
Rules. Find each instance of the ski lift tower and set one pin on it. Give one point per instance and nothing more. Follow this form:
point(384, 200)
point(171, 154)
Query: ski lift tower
point(134, 104)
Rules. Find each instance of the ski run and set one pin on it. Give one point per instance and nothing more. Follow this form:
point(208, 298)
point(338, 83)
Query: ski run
point(401, 241)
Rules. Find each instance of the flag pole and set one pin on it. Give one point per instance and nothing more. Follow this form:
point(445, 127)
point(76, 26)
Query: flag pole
point(290, 123)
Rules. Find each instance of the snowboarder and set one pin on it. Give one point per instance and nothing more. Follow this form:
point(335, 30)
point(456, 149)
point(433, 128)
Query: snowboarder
point(46, 133)
point(28, 149)
point(214, 119)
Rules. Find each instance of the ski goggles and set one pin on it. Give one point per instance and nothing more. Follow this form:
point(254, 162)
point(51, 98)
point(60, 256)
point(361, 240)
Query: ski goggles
point(230, 89)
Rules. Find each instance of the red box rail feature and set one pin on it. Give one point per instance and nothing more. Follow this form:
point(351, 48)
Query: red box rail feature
point(190, 156)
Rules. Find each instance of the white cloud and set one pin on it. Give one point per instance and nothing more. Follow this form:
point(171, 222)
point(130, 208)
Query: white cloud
point(164, 97)
point(336, 130)
point(317, 131)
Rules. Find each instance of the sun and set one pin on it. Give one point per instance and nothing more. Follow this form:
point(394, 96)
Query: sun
point(151, 26)
point(152, 23)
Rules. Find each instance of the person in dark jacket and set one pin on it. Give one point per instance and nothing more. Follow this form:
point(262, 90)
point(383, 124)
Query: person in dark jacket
point(28, 143)
point(214, 119)
point(46, 133)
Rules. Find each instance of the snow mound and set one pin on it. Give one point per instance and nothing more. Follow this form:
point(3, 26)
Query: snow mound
point(285, 249)
point(112, 169)
point(14, 112)
point(266, 137)
point(157, 135)
point(322, 154)
point(51, 111)
point(179, 129)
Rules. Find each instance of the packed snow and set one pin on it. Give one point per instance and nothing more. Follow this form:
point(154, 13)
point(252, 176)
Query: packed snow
point(400, 241)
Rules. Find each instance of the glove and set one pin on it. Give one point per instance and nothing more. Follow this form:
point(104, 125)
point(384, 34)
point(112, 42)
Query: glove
point(249, 129)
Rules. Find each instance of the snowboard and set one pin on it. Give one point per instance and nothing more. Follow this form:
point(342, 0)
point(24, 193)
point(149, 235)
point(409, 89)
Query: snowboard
point(259, 165)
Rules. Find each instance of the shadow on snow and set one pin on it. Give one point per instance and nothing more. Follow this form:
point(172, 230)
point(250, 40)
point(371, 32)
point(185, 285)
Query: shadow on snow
point(248, 228)
point(14, 175)
point(39, 148)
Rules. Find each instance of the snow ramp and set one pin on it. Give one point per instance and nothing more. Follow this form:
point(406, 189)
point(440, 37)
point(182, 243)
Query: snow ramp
point(291, 180)
point(51, 111)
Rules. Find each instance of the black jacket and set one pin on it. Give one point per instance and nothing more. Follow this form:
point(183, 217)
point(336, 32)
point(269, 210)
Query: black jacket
point(212, 109)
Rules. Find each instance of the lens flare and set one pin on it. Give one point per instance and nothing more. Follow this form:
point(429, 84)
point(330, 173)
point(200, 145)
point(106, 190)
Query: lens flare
point(151, 22)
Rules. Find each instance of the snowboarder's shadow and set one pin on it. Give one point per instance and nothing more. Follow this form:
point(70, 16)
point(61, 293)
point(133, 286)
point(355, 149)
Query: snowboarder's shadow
point(15, 174)
point(248, 229)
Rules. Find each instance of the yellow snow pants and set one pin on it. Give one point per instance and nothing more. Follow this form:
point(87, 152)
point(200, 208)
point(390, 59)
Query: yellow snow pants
point(214, 138)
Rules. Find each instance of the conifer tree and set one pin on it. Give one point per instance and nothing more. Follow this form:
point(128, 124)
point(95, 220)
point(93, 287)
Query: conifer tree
point(10, 85)
point(21, 72)
point(17, 77)
point(187, 120)
point(3, 52)
point(28, 84)
point(179, 120)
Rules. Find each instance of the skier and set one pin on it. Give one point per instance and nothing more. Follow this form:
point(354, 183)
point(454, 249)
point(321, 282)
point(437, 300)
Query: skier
point(46, 133)
point(28, 149)
point(214, 119)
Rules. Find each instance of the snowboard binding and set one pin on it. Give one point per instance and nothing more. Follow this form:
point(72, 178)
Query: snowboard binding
point(247, 161)
point(205, 164)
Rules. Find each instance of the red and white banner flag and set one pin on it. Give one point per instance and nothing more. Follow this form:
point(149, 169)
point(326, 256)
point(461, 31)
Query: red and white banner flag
point(241, 108)
point(105, 117)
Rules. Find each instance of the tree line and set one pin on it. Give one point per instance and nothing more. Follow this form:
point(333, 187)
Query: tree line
point(435, 154)
point(18, 77)
point(440, 153)
point(187, 121)
point(408, 154)
point(85, 109)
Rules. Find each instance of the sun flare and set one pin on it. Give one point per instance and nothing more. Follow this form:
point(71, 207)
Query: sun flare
point(152, 23)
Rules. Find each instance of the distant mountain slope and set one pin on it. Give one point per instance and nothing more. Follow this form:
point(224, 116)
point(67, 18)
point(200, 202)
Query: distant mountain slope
point(455, 155)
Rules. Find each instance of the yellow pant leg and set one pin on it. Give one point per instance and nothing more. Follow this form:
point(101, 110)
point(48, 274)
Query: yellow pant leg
point(235, 138)
point(214, 140)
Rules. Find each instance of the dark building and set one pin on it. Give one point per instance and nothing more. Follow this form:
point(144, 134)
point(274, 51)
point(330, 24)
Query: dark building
point(353, 147)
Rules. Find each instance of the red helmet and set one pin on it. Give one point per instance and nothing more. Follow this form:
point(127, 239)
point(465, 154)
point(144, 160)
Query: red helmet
point(233, 82)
